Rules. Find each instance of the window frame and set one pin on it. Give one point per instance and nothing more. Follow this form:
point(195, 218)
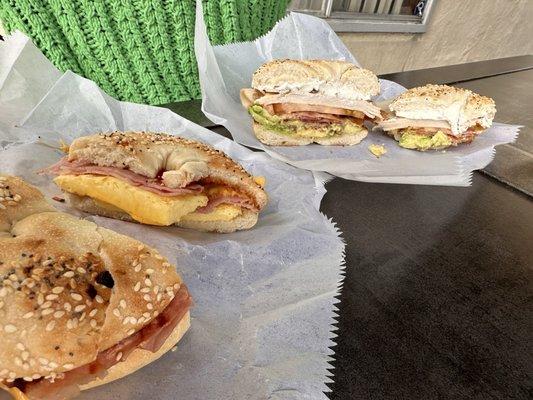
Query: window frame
point(346, 21)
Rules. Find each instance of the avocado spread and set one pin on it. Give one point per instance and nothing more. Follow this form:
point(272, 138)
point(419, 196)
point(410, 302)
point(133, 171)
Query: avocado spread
point(299, 128)
point(411, 140)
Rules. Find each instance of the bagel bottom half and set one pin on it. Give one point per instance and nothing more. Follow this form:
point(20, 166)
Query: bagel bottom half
point(140, 358)
point(273, 138)
point(84, 203)
point(397, 135)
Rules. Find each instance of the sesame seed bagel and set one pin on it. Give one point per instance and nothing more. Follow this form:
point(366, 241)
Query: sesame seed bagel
point(70, 289)
point(322, 77)
point(182, 160)
point(459, 107)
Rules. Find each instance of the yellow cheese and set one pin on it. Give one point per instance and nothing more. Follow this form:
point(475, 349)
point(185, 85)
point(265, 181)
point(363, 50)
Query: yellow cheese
point(142, 205)
point(377, 149)
point(222, 212)
point(260, 180)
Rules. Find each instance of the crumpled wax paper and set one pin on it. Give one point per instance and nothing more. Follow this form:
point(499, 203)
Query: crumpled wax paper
point(263, 298)
point(225, 69)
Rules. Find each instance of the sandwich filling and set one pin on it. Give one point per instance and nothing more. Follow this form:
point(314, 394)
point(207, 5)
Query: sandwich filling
point(431, 138)
point(308, 115)
point(148, 200)
point(151, 338)
point(307, 124)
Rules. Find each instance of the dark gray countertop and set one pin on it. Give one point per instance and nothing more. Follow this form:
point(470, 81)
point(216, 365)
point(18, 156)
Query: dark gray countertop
point(436, 303)
point(513, 94)
point(461, 72)
point(437, 300)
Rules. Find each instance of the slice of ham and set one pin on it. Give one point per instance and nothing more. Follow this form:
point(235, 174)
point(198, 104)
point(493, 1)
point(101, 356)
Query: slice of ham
point(64, 166)
point(151, 338)
point(79, 167)
point(234, 200)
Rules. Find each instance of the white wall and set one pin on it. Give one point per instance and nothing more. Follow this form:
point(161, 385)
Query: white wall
point(459, 31)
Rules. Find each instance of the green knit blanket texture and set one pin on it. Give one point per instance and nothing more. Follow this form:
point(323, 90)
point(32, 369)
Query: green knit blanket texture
point(136, 50)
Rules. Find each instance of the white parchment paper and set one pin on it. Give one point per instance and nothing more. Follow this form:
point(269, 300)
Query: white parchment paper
point(224, 70)
point(264, 298)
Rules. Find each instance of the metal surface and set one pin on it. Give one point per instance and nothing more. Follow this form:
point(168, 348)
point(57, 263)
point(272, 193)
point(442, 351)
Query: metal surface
point(367, 20)
point(388, 23)
point(436, 303)
point(192, 110)
point(513, 94)
point(461, 72)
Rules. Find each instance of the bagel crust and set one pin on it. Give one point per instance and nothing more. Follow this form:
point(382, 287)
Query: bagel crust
point(140, 358)
point(322, 77)
point(69, 289)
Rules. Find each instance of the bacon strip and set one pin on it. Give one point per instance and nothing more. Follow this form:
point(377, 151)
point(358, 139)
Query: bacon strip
point(78, 167)
point(150, 338)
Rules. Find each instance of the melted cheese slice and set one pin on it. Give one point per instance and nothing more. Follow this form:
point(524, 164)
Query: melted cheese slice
point(144, 206)
point(222, 212)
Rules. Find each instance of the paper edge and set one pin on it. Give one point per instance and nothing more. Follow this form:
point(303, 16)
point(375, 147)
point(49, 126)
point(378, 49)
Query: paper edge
point(490, 159)
point(334, 313)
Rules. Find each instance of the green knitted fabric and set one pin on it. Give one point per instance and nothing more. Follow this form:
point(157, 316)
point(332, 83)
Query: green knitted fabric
point(136, 50)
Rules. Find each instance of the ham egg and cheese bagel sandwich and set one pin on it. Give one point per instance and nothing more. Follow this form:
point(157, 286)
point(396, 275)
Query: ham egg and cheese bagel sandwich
point(437, 116)
point(80, 305)
point(159, 179)
point(298, 102)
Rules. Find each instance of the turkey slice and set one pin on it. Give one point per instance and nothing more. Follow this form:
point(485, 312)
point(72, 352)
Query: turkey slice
point(252, 96)
point(401, 123)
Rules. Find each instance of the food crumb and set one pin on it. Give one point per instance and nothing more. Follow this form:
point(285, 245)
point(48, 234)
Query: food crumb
point(65, 148)
point(57, 198)
point(377, 149)
point(260, 180)
point(174, 349)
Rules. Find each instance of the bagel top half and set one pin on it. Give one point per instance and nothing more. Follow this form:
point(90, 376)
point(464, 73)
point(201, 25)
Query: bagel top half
point(75, 299)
